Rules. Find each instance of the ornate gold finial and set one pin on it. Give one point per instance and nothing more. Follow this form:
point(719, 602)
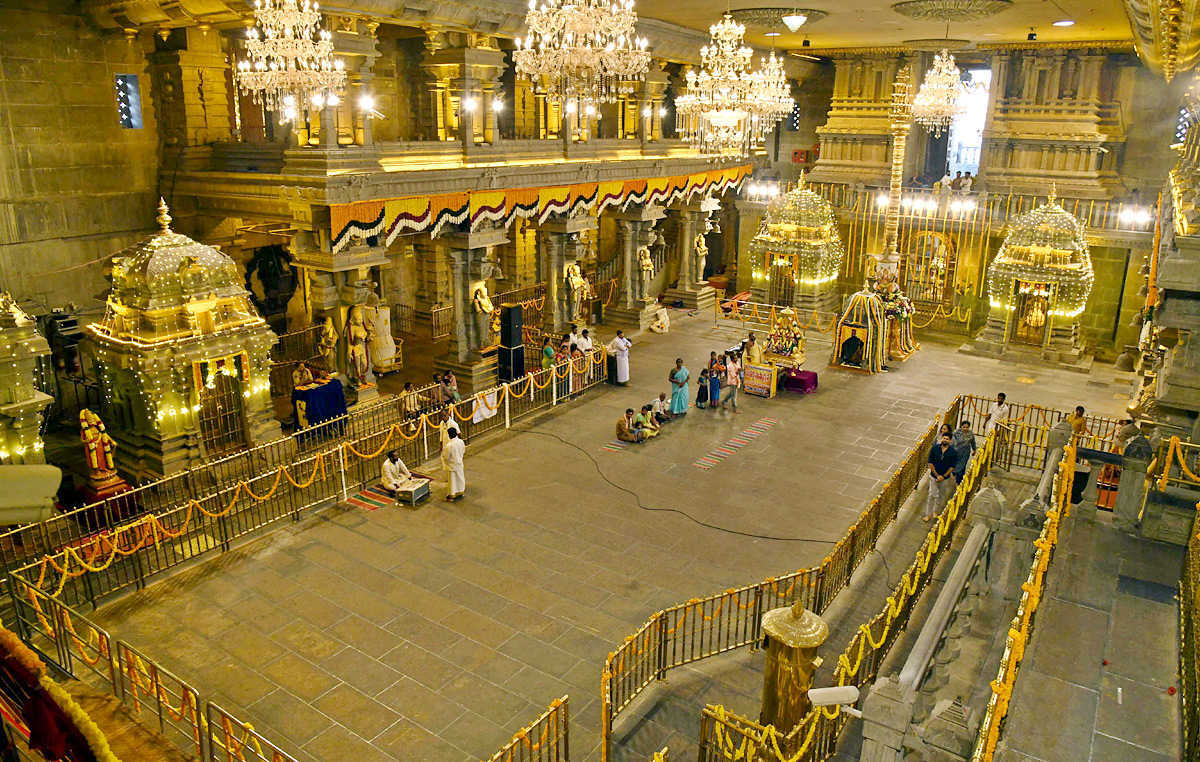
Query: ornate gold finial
point(1052, 199)
point(800, 185)
point(164, 215)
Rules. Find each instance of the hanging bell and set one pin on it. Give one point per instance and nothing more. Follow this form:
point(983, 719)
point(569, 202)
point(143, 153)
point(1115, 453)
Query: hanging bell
point(1144, 290)
point(1145, 269)
point(1138, 319)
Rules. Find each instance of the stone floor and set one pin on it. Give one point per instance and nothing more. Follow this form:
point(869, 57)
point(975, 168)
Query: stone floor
point(434, 634)
point(1104, 653)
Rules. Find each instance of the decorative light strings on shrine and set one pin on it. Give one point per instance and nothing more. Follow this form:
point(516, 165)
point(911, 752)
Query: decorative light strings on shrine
point(291, 65)
point(582, 52)
point(728, 109)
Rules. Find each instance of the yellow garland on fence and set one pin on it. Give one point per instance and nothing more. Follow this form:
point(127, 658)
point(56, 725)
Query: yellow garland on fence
point(1175, 456)
point(95, 739)
point(528, 386)
point(101, 644)
point(941, 310)
point(270, 492)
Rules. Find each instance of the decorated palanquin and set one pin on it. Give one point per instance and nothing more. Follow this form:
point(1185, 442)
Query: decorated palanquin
point(184, 357)
point(797, 253)
point(1038, 285)
point(859, 340)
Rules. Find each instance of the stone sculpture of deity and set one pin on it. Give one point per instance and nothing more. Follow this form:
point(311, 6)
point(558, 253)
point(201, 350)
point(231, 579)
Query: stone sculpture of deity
point(645, 273)
point(358, 365)
point(98, 447)
point(481, 306)
point(701, 252)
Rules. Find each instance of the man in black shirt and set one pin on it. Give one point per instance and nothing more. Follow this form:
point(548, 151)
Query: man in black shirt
point(942, 460)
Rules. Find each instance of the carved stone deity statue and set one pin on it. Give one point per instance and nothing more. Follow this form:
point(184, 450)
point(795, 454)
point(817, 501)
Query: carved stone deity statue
point(98, 448)
point(358, 365)
point(481, 305)
point(645, 273)
point(701, 256)
point(378, 319)
point(577, 288)
point(328, 346)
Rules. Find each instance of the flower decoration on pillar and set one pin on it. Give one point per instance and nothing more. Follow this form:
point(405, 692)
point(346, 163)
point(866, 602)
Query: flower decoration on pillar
point(290, 64)
point(584, 52)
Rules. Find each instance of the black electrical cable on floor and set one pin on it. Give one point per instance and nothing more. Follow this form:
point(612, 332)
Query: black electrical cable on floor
point(685, 514)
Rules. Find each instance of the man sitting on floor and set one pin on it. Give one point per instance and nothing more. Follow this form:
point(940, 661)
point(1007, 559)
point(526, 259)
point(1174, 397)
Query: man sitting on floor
point(625, 430)
point(395, 473)
point(661, 408)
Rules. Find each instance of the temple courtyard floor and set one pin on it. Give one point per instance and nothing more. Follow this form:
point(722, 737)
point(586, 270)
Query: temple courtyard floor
point(434, 634)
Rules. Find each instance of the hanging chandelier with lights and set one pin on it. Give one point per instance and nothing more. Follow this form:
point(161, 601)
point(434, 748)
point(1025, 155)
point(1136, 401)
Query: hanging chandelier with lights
point(584, 52)
point(290, 65)
point(938, 101)
point(728, 110)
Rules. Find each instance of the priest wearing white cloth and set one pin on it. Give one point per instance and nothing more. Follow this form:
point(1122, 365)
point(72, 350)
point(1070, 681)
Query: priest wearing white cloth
point(452, 460)
point(395, 473)
point(619, 348)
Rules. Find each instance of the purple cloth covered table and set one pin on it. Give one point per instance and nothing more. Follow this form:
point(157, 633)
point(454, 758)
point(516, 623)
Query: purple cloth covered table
point(803, 381)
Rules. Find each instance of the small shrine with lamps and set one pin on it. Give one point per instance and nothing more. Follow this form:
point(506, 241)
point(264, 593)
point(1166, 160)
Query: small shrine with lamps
point(1038, 285)
point(21, 401)
point(861, 334)
point(797, 253)
point(183, 355)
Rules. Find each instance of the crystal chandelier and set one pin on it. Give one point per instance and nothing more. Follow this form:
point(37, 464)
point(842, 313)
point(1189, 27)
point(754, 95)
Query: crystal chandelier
point(582, 51)
point(729, 110)
point(937, 102)
point(290, 64)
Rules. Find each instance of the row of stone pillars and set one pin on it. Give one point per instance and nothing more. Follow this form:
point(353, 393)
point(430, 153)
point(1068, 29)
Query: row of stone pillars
point(453, 267)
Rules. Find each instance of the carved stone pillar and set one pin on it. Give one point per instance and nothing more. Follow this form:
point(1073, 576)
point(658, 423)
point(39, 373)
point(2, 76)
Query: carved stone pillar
point(690, 288)
point(635, 230)
point(654, 87)
point(466, 80)
point(470, 357)
point(560, 245)
point(189, 88)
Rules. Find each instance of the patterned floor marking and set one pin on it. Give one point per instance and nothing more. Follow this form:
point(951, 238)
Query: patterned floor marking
point(372, 499)
point(761, 426)
point(614, 446)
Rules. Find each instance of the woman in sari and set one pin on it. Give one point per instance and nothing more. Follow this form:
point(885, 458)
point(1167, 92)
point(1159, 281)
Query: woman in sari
point(578, 368)
point(679, 388)
point(547, 353)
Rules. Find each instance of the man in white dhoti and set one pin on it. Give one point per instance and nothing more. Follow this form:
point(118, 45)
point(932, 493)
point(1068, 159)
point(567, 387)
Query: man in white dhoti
point(619, 348)
point(395, 473)
point(996, 413)
point(452, 461)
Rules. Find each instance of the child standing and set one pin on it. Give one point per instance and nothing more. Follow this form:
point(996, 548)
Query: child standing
point(702, 392)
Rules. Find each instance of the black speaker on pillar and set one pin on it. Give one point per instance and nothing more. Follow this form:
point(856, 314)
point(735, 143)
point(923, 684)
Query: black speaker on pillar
point(512, 362)
point(510, 326)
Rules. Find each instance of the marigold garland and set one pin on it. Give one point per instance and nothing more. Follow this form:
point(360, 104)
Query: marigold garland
point(83, 723)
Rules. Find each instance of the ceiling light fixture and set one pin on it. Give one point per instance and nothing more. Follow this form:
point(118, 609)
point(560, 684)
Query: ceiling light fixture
point(794, 21)
point(583, 50)
point(1064, 22)
point(937, 102)
point(290, 58)
point(772, 34)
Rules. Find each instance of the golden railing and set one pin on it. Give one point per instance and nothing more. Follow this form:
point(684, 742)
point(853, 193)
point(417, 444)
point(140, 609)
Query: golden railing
point(704, 627)
point(546, 740)
point(725, 736)
point(762, 316)
point(1028, 426)
point(1022, 624)
point(1189, 648)
point(1177, 463)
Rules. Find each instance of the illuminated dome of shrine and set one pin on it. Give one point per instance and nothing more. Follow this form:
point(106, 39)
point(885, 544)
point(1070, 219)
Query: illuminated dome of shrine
point(167, 269)
point(170, 287)
point(1044, 247)
point(800, 226)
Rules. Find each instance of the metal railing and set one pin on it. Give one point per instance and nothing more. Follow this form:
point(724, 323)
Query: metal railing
point(290, 349)
point(1022, 624)
point(233, 739)
point(441, 321)
point(725, 736)
point(546, 740)
point(1024, 445)
point(704, 627)
point(762, 316)
point(1189, 649)
point(404, 319)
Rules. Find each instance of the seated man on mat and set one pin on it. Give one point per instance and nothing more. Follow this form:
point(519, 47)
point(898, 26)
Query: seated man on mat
point(625, 430)
point(395, 473)
point(661, 408)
